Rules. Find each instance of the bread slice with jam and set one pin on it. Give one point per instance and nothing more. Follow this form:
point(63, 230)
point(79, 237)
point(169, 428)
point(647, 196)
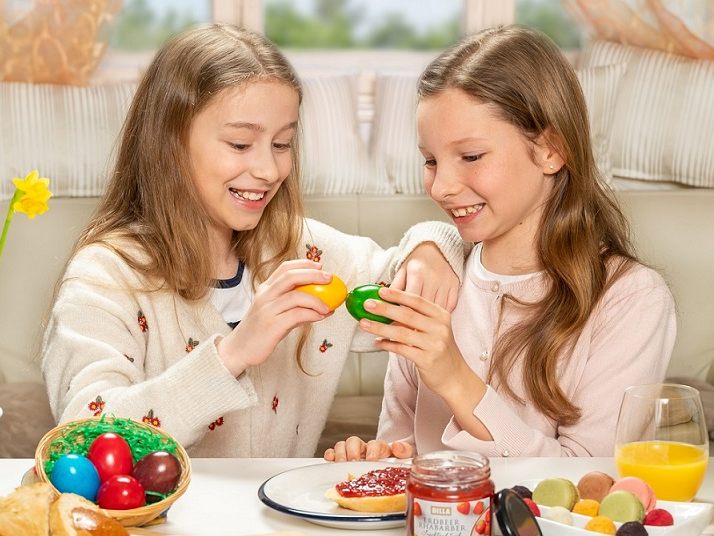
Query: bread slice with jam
point(377, 491)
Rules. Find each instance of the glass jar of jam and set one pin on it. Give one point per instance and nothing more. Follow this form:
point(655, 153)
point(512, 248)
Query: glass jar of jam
point(449, 493)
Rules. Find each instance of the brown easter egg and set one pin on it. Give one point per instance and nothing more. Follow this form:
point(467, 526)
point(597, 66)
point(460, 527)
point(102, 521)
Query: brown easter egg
point(158, 471)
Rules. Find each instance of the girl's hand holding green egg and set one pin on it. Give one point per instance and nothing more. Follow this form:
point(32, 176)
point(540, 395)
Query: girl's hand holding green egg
point(357, 297)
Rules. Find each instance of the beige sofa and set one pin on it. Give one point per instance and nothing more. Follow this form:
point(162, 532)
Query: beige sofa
point(674, 232)
point(357, 141)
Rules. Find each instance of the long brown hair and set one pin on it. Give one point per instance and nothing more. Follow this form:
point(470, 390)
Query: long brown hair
point(583, 244)
point(150, 198)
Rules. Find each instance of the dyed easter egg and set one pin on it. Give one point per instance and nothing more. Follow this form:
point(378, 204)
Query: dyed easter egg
point(158, 471)
point(355, 303)
point(121, 492)
point(111, 455)
point(332, 294)
point(73, 473)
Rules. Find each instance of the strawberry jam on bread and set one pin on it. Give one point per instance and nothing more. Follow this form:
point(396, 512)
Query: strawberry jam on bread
point(380, 491)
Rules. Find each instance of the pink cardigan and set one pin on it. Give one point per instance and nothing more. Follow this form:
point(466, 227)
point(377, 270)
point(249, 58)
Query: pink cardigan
point(627, 341)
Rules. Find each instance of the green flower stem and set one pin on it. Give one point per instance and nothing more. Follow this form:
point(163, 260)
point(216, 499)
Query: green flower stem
point(8, 219)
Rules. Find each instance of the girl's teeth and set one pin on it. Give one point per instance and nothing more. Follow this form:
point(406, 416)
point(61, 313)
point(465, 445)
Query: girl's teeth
point(461, 212)
point(250, 196)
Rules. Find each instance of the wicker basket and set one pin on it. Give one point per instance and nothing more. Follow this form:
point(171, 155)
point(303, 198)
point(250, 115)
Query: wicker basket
point(149, 514)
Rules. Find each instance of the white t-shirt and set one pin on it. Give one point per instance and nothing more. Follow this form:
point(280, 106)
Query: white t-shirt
point(474, 267)
point(232, 297)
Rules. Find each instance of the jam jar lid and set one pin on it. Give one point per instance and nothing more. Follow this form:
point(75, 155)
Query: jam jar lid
point(513, 515)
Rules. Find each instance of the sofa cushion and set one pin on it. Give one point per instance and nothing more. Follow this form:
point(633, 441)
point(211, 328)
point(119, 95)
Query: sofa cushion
point(333, 155)
point(662, 129)
point(393, 142)
point(25, 418)
point(68, 133)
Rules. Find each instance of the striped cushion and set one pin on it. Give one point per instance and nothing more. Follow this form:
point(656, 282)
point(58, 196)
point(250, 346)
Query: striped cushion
point(393, 140)
point(393, 143)
point(69, 134)
point(600, 87)
point(334, 157)
point(66, 132)
point(664, 115)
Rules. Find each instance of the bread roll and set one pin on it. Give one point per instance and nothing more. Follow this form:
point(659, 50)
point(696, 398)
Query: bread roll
point(379, 491)
point(72, 515)
point(381, 504)
point(25, 512)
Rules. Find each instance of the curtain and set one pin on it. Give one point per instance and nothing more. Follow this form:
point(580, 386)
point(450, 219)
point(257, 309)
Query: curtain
point(53, 41)
point(684, 27)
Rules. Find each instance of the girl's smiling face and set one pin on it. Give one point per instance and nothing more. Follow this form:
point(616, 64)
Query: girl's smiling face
point(490, 179)
point(240, 152)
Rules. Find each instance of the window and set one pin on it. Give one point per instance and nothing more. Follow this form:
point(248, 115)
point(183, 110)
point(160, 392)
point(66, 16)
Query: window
point(329, 34)
point(550, 17)
point(363, 24)
point(143, 26)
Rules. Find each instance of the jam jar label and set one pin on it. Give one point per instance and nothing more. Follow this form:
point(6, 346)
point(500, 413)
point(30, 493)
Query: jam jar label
point(464, 518)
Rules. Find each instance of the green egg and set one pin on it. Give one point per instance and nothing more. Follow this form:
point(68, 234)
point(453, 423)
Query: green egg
point(355, 303)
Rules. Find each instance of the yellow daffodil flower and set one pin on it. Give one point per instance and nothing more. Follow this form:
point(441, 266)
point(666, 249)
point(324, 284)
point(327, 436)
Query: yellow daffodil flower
point(31, 196)
point(35, 194)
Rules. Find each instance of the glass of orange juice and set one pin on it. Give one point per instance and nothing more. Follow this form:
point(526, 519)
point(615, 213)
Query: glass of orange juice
point(662, 438)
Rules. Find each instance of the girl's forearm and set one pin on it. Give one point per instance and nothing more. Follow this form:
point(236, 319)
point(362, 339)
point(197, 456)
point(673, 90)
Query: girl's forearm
point(463, 397)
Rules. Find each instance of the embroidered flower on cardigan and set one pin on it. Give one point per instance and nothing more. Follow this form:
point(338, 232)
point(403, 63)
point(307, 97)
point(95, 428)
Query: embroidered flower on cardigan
point(218, 422)
point(143, 324)
point(96, 406)
point(325, 345)
point(192, 343)
point(275, 403)
point(313, 253)
point(149, 418)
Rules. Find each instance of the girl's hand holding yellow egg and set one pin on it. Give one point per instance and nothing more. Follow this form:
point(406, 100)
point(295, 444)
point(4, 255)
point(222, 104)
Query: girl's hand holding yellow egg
point(332, 294)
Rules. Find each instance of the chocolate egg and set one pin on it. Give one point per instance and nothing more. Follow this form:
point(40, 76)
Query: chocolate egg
point(158, 471)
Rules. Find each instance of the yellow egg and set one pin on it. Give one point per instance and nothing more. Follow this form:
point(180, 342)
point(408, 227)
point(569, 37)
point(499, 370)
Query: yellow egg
point(332, 294)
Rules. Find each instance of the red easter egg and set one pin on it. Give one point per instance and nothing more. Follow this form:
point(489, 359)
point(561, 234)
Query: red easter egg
point(111, 455)
point(121, 492)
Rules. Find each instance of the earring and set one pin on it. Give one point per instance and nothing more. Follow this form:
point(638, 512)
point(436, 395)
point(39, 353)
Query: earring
point(551, 166)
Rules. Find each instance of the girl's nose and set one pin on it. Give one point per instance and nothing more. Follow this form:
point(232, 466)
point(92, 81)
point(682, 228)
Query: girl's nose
point(265, 167)
point(443, 186)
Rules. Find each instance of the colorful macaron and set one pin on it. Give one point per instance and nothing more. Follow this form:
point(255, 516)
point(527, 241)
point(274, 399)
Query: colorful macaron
point(639, 488)
point(601, 524)
point(659, 517)
point(556, 492)
point(559, 515)
point(631, 528)
point(595, 485)
point(622, 506)
point(587, 507)
point(523, 492)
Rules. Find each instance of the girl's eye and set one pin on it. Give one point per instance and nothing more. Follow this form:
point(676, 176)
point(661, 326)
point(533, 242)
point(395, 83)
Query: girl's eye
point(430, 163)
point(472, 157)
point(282, 146)
point(239, 146)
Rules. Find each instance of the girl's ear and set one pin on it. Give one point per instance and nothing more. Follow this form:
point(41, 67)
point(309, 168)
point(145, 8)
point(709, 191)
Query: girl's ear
point(548, 152)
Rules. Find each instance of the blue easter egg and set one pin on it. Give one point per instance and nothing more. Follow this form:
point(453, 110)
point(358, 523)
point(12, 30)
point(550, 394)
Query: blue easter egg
point(74, 473)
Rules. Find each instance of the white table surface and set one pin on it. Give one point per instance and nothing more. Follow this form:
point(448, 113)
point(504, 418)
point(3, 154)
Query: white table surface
point(222, 497)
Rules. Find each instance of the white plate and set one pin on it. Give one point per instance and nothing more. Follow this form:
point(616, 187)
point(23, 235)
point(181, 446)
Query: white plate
point(690, 519)
point(301, 492)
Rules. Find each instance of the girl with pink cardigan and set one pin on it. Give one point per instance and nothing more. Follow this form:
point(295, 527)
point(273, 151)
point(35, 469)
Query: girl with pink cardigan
point(556, 316)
